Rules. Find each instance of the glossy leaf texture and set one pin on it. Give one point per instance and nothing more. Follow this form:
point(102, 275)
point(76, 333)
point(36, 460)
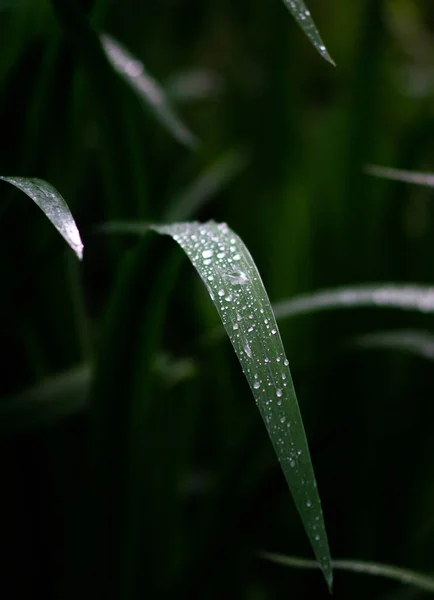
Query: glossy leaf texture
point(303, 17)
point(236, 289)
point(53, 206)
point(399, 574)
point(147, 89)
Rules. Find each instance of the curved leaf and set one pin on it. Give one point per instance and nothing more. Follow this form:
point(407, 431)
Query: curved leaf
point(386, 295)
point(418, 343)
point(236, 289)
point(302, 15)
point(53, 206)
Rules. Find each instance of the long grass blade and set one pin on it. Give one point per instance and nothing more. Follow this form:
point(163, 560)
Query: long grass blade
point(149, 92)
point(53, 206)
point(302, 15)
point(419, 580)
point(55, 398)
point(386, 295)
point(416, 177)
point(418, 343)
point(236, 289)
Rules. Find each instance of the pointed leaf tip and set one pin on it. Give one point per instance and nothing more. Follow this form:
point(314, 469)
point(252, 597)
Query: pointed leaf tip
point(303, 17)
point(53, 206)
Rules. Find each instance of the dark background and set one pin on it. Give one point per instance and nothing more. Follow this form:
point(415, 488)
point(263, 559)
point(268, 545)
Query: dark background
point(147, 472)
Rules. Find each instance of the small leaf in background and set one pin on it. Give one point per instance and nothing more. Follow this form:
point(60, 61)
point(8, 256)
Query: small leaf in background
point(386, 295)
point(150, 93)
point(302, 15)
point(423, 582)
point(236, 289)
point(426, 179)
point(53, 206)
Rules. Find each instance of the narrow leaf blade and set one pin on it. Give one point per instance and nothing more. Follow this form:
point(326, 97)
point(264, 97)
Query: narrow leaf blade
point(53, 206)
point(419, 580)
point(426, 179)
point(149, 92)
point(385, 295)
point(302, 15)
point(236, 289)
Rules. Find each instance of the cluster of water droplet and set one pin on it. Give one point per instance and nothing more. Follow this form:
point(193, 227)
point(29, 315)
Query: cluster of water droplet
point(236, 289)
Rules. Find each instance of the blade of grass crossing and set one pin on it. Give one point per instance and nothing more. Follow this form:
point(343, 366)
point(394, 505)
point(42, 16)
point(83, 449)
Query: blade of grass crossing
point(419, 580)
point(237, 291)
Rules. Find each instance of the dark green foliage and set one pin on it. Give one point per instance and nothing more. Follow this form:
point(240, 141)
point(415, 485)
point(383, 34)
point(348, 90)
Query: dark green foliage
point(154, 476)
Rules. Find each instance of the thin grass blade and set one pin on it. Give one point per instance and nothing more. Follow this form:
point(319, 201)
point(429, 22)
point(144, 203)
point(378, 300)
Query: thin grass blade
point(236, 289)
point(415, 177)
point(53, 206)
point(54, 399)
point(302, 15)
point(418, 343)
point(210, 182)
point(149, 92)
point(419, 580)
point(387, 295)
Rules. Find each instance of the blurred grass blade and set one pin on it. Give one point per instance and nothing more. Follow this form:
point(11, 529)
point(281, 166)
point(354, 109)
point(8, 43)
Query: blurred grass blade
point(386, 295)
point(419, 343)
point(236, 289)
point(150, 93)
point(55, 398)
point(194, 85)
point(186, 204)
point(53, 206)
point(426, 179)
point(423, 582)
point(301, 14)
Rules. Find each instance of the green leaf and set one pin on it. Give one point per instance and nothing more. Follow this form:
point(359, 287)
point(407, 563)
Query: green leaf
point(236, 289)
point(415, 177)
point(149, 92)
point(419, 580)
point(302, 15)
point(53, 206)
point(385, 295)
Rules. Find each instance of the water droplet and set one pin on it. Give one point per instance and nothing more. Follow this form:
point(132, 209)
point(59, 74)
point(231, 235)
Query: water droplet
point(292, 463)
point(279, 393)
point(299, 452)
point(317, 537)
point(247, 350)
point(266, 360)
point(221, 255)
point(282, 419)
point(210, 277)
point(283, 376)
point(236, 257)
point(308, 503)
point(286, 362)
point(250, 329)
point(228, 298)
point(207, 253)
point(273, 331)
point(256, 385)
point(235, 326)
point(207, 261)
point(221, 293)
